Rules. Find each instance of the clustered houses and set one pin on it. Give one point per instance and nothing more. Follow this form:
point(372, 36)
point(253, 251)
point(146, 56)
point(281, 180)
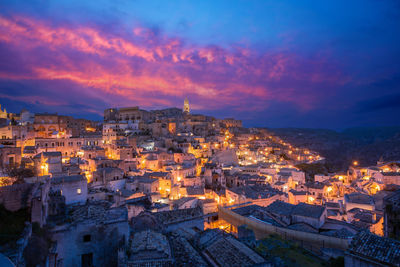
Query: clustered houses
point(141, 181)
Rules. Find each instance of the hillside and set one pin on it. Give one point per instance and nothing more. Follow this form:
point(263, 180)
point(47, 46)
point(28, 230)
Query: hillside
point(366, 145)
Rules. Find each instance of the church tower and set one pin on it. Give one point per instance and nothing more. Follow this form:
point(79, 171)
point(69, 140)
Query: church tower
point(3, 114)
point(186, 108)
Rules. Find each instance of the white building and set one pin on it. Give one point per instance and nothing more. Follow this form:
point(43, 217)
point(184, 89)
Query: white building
point(73, 188)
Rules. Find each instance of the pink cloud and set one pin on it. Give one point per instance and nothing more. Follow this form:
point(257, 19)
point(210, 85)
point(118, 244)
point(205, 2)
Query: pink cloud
point(143, 68)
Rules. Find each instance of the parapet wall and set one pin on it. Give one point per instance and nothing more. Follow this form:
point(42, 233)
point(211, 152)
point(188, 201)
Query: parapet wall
point(263, 230)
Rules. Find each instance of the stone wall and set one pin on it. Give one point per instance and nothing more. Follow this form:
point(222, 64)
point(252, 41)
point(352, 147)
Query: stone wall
point(263, 230)
point(18, 196)
point(101, 241)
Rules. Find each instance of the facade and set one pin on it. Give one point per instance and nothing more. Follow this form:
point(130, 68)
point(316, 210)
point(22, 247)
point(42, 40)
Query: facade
point(73, 188)
point(90, 235)
point(359, 200)
point(392, 215)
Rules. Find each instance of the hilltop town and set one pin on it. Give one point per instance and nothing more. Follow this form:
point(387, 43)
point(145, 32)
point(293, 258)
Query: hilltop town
point(172, 188)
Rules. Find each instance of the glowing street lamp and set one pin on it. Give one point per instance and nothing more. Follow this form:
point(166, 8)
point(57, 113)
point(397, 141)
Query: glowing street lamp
point(45, 168)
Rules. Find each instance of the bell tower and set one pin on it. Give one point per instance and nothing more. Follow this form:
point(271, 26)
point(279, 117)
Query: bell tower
point(186, 107)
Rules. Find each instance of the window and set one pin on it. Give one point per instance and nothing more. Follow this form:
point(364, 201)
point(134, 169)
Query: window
point(87, 238)
point(78, 191)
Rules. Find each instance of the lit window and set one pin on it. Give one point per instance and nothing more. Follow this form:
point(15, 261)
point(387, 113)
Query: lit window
point(79, 191)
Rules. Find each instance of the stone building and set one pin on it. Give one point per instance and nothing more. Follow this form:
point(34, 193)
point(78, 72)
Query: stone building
point(89, 235)
point(17, 196)
point(392, 215)
point(369, 250)
point(148, 248)
point(221, 249)
point(73, 188)
point(47, 163)
point(358, 200)
point(313, 215)
point(106, 174)
point(9, 156)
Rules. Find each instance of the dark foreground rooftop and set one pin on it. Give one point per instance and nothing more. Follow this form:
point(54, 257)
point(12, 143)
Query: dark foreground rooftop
point(376, 248)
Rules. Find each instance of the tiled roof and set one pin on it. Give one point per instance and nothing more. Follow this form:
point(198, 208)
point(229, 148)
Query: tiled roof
point(67, 179)
point(315, 185)
point(158, 174)
point(29, 149)
point(255, 191)
point(332, 205)
point(247, 210)
point(340, 233)
point(304, 227)
point(192, 190)
point(181, 201)
point(359, 198)
point(298, 193)
point(281, 208)
point(376, 248)
point(99, 212)
point(227, 251)
point(149, 245)
point(332, 212)
point(307, 210)
point(48, 154)
point(175, 216)
point(184, 252)
point(391, 173)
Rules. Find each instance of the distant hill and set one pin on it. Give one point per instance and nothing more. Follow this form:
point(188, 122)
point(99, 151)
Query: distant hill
point(364, 144)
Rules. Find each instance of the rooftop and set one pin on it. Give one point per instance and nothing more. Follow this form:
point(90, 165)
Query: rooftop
point(184, 252)
point(281, 208)
point(332, 205)
point(182, 200)
point(315, 185)
point(257, 212)
point(175, 216)
point(98, 212)
point(359, 198)
point(255, 191)
point(68, 179)
point(391, 173)
point(225, 250)
point(48, 154)
point(298, 193)
point(307, 210)
point(149, 245)
point(340, 233)
point(303, 227)
point(194, 190)
point(376, 248)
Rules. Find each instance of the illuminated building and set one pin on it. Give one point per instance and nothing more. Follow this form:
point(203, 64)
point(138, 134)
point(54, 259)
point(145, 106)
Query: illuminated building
point(186, 107)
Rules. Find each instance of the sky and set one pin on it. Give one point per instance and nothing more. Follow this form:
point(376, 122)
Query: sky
point(318, 64)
